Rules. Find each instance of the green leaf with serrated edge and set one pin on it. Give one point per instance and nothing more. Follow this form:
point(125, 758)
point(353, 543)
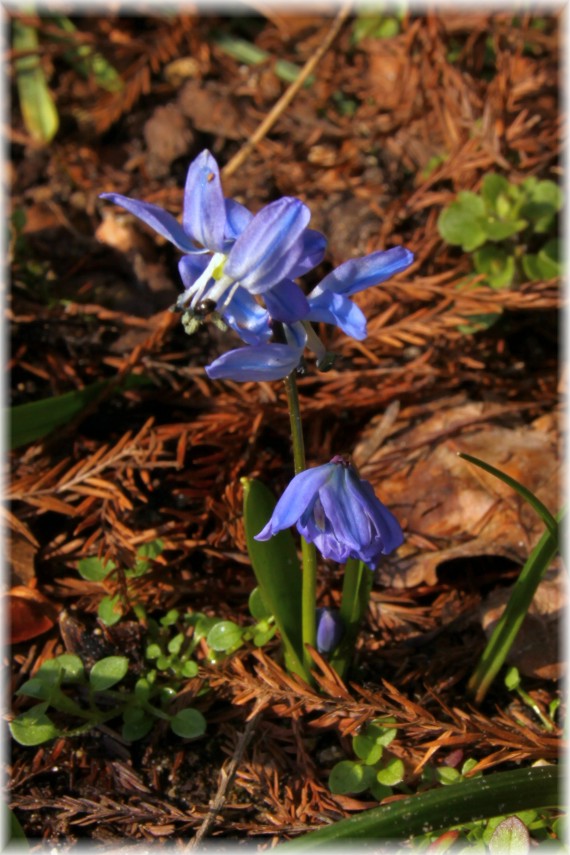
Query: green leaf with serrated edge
point(442, 808)
point(510, 837)
point(224, 636)
point(256, 605)
point(276, 567)
point(188, 723)
point(94, 569)
point(36, 101)
point(462, 222)
point(541, 509)
point(107, 672)
point(109, 610)
point(34, 727)
point(28, 422)
point(349, 776)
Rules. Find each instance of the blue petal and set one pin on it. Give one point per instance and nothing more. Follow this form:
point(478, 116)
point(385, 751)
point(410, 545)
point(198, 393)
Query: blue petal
point(329, 629)
point(158, 219)
point(298, 496)
point(250, 320)
point(331, 308)
point(348, 522)
point(270, 246)
point(387, 528)
point(204, 216)
point(190, 267)
point(262, 362)
point(360, 273)
point(286, 302)
point(237, 218)
point(314, 246)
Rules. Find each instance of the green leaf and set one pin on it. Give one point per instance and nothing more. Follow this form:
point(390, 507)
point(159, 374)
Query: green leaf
point(498, 265)
point(441, 808)
point(468, 765)
point(107, 672)
point(262, 636)
point(508, 625)
point(257, 607)
point(190, 668)
point(392, 773)
point(224, 636)
point(541, 509)
point(28, 422)
point(463, 222)
point(137, 727)
point(36, 102)
point(349, 776)
point(478, 322)
point(276, 567)
point(250, 54)
point(93, 569)
point(175, 644)
point(110, 610)
point(386, 735)
point(510, 837)
point(36, 688)
point(498, 230)
point(380, 791)
point(170, 618)
point(34, 727)
point(545, 264)
point(17, 836)
point(366, 747)
point(492, 187)
point(545, 200)
point(447, 775)
point(86, 61)
point(512, 679)
point(188, 723)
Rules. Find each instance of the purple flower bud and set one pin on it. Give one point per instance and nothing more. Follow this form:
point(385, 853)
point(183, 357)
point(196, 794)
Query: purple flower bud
point(329, 629)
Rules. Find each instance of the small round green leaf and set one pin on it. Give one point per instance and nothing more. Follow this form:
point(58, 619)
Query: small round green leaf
point(225, 635)
point(170, 617)
point(188, 723)
point(462, 222)
point(190, 668)
point(94, 569)
point(348, 776)
point(153, 651)
point(72, 667)
point(257, 607)
point(392, 773)
point(448, 775)
point(110, 610)
point(34, 727)
point(176, 643)
point(137, 729)
point(384, 735)
point(107, 672)
point(366, 747)
point(510, 837)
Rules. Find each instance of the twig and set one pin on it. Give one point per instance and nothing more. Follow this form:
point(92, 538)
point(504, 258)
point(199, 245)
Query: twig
point(288, 95)
point(226, 778)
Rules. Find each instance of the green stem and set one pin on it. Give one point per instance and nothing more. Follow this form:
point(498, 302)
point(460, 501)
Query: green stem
point(309, 582)
point(355, 594)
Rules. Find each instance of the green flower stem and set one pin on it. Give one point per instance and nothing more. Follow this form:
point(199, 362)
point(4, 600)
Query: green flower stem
point(309, 582)
point(511, 620)
point(355, 593)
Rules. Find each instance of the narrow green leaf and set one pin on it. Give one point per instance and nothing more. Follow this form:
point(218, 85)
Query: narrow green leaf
point(107, 672)
point(276, 567)
point(523, 491)
point(86, 61)
point(36, 102)
point(510, 622)
point(468, 801)
point(250, 54)
point(188, 723)
point(28, 422)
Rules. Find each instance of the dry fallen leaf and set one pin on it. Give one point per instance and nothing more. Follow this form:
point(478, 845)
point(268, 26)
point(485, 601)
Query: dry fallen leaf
point(30, 613)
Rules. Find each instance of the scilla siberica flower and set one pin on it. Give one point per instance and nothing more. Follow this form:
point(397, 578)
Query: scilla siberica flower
point(231, 256)
point(339, 512)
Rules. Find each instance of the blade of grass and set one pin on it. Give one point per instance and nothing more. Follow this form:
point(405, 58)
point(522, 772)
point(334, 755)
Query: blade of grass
point(480, 798)
point(511, 620)
point(526, 494)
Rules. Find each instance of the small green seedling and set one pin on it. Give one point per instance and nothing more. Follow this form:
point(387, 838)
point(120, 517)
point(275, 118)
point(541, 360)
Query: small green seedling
point(376, 769)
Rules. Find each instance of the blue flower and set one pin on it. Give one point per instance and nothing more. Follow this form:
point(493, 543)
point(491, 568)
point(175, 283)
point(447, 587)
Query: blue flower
point(328, 302)
point(339, 512)
point(229, 251)
point(329, 629)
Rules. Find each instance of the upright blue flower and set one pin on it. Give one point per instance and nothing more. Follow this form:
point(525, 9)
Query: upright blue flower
point(230, 253)
point(339, 512)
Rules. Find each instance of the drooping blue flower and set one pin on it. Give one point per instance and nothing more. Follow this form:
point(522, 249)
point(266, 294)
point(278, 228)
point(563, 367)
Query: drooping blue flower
point(338, 511)
point(329, 629)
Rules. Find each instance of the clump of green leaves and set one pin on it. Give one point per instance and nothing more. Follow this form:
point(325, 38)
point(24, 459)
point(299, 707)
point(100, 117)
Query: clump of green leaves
point(382, 24)
point(500, 834)
point(513, 683)
point(225, 637)
point(62, 685)
point(114, 606)
point(509, 228)
point(376, 769)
